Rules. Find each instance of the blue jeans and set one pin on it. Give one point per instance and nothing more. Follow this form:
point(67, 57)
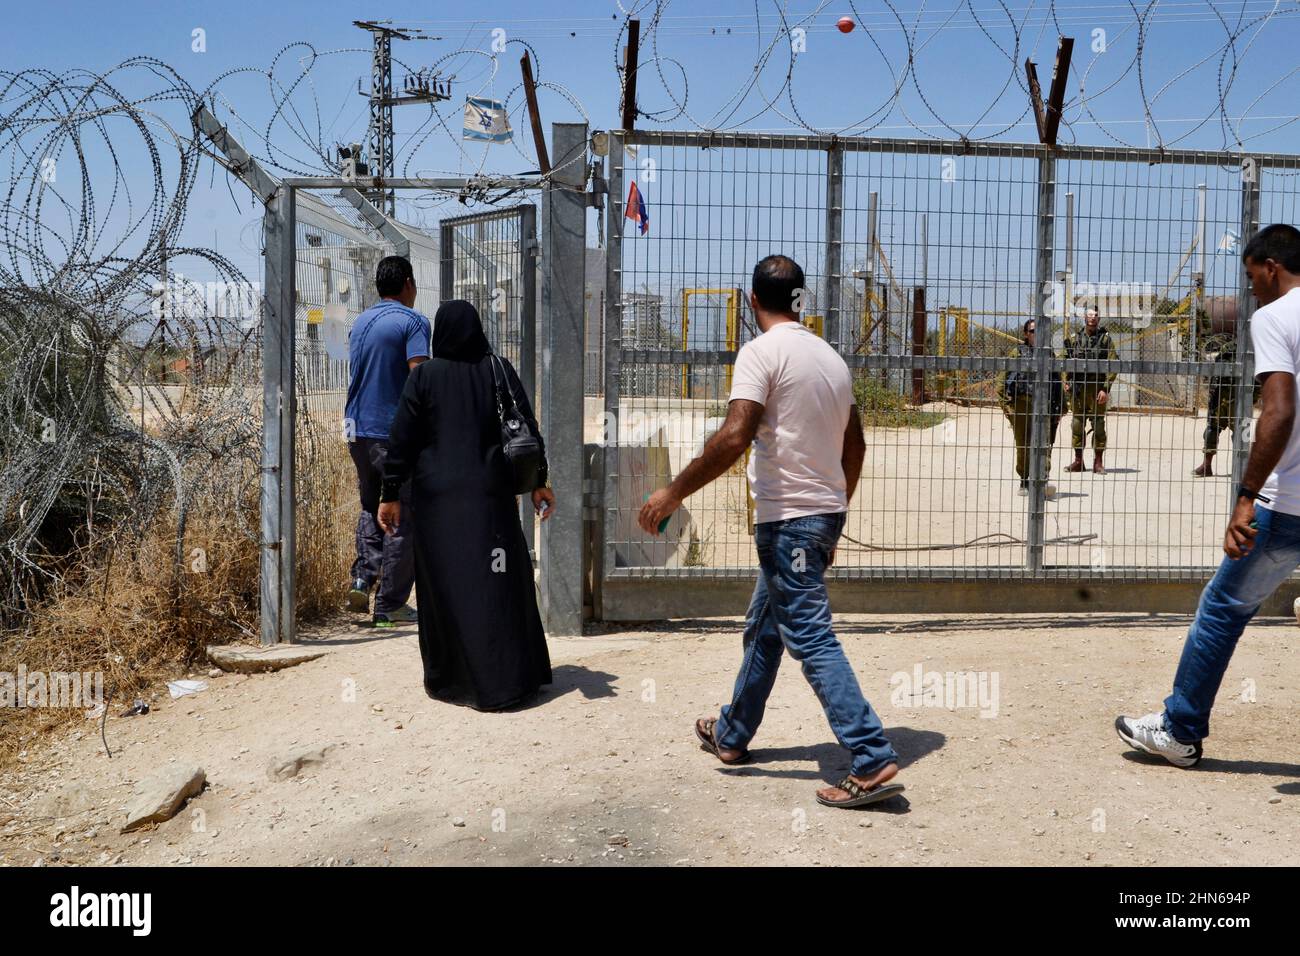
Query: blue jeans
point(1227, 604)
point(790, 609)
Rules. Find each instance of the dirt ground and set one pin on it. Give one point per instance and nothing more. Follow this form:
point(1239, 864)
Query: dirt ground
point(604, 769)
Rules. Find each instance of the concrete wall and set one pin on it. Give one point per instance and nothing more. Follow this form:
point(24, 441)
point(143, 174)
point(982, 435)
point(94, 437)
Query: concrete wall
point(662, 598)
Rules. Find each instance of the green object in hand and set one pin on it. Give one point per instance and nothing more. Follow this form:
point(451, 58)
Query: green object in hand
point(663, 524)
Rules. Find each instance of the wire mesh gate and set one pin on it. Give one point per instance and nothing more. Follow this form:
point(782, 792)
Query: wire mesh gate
point(923, 261)
point(490, 260)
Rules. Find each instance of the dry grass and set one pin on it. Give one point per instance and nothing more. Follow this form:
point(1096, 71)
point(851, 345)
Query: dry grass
point(327, 517)
point(127, 609)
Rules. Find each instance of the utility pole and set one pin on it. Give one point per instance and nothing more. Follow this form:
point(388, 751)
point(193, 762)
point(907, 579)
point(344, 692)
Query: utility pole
point(419, 87)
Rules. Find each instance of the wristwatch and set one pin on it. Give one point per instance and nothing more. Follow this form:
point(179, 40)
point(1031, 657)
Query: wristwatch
point(1252, 494)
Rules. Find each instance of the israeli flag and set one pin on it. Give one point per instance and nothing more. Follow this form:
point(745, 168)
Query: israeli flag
point(486, 120)
point(1228, 242)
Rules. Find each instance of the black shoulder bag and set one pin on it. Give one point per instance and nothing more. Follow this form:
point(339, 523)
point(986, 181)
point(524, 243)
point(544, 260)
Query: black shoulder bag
point(521, 447)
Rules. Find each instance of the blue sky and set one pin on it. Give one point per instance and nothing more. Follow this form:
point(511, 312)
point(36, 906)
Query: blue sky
point(963, 76)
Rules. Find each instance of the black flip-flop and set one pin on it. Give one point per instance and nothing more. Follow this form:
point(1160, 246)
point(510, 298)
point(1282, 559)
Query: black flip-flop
point(860, 796)
point(710, 742)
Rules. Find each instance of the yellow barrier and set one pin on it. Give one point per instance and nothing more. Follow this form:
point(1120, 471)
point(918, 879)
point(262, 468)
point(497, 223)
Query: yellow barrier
point(733, 329)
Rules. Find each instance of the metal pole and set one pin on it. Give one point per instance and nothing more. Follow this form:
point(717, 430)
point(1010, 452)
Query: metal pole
point(925, 249)
point(381, 118)
point(528, 252)
point(1069, 236)
point(564, 264)
point(1043, 357)
point(870, 282)
point(1198, 281)
point(612, 343)
point(1243, 406)
point(528, 306)
point(447, 264)
point(288, 331)
point(1067, 293)
point(277, 583)
point(918, 343)
point(834, 268)
point(383, 223)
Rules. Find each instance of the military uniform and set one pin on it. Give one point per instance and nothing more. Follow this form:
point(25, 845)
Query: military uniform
point(1221, 413)
point(1015, 392)
point(1084, 386)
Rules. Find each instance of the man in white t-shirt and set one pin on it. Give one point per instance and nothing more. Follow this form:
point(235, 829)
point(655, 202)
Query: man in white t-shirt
point(792, 397)
point(1262, 543)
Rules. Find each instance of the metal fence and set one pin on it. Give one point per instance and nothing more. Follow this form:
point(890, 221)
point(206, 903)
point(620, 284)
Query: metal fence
point(287, 448)
point(490, 260)
point(923, 261)
point(336, 253)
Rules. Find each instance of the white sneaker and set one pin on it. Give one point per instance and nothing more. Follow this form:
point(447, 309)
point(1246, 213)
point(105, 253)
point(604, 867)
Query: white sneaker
point(1049, 491)
point(1148, 734)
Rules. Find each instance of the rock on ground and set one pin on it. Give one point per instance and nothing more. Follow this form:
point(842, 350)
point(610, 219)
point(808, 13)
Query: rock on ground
point(161, 797)
point(244, 659)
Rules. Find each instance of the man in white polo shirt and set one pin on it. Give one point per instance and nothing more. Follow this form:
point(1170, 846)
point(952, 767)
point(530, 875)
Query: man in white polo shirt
point(792, 397)
point(1262, 543)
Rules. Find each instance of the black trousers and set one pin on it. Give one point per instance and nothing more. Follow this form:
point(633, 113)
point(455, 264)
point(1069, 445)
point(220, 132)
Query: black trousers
point(386, 558)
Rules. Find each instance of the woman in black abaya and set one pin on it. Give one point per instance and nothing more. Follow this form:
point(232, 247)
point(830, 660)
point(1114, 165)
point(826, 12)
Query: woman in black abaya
point(481, 637)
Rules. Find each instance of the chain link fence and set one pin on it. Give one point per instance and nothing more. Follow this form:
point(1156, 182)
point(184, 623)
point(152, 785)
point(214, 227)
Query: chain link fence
point(923, 261)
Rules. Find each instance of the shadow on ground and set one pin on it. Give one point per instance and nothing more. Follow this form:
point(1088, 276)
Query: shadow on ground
point(831, 761)
point(1263, 768)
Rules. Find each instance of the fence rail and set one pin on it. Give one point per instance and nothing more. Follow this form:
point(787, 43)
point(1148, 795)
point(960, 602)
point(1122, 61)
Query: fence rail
point(923, 260)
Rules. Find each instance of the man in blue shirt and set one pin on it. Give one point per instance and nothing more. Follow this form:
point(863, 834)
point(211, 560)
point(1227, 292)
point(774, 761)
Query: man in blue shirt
point(388, 340)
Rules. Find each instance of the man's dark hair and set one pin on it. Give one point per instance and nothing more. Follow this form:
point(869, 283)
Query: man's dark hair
point(391, 276)
point(776, 280)
point(1278, 242)
point(1024, 328)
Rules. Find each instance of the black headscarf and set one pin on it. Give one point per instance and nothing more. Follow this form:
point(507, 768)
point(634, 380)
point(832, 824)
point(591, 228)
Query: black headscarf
point(458, 333)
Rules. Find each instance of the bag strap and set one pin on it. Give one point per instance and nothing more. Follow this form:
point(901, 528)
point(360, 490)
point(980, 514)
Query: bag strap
point(498, 388)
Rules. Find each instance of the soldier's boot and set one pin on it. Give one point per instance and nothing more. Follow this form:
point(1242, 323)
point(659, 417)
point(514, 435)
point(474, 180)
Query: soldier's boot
point(1205, 469)
point(1077, 464)
point(1097, 467)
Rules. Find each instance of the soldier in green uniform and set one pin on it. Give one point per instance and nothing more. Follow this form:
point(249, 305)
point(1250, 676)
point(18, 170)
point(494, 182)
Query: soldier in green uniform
point(1015, 392)
point(1219, 347)
point(1089, 391)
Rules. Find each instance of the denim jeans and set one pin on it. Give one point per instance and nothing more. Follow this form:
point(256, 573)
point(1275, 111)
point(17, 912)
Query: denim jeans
point(790, 610)
point(1227, 604)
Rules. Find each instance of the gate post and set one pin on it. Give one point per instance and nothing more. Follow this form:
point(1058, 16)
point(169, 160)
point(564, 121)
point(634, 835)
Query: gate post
point(834, 266)
point(528, 252)
point(613, 342)
point(1243, 408)
point(278, 590)
point(1043, 359)
point(564, 233)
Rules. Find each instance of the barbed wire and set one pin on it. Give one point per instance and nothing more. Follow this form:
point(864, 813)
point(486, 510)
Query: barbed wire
point(97, 317)
point(98, 171)
point(86, 326)
point(888, 46)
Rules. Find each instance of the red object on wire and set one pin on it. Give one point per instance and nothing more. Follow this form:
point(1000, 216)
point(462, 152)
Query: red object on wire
point(845, 24)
